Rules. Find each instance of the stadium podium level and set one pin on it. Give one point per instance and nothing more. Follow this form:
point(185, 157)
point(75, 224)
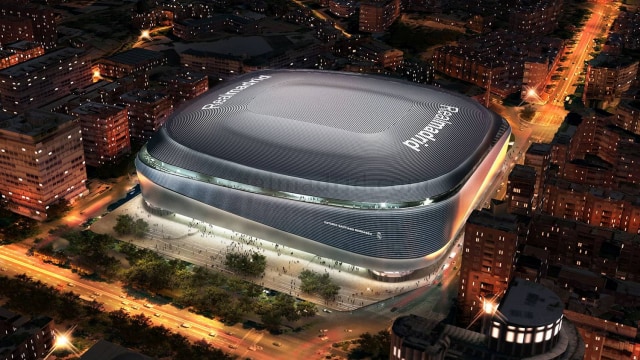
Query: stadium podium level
point(371, 171)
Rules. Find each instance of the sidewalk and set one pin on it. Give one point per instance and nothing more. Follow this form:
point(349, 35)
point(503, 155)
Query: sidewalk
point(206, 245)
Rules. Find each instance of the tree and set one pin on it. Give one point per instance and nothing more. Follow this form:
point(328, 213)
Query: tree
point(527, 113)
point(58, 209)
point(150, 273)
point(124, 225)
point(21, 228)
point(374, 347)
point(252, 265)
point(140, 228)
point(306, 309)
point(321, 284)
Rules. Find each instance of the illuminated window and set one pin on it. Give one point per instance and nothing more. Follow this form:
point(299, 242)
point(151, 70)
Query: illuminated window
point(495, 332)
point(510, 336)
point(539, 337)
point(527, 338)
point(548, 334)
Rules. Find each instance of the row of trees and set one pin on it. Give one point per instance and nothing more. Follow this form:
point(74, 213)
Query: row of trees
point(211, 293)
point(24, 295)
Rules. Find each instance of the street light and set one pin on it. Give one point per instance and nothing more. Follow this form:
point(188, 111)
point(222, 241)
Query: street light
point(529, 93)
point(489, 307)
point(63, 341)
point(145, 34)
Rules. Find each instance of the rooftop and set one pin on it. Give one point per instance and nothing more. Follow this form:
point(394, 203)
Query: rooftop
point(35, 122)
point(530, 304)
point(40, 62)
point(135, 56)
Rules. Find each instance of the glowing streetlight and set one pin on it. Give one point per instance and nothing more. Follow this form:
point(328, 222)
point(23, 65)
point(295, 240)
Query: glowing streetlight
point(529, 94)
point(489, 307)
point(63, 341)
point(145, 34)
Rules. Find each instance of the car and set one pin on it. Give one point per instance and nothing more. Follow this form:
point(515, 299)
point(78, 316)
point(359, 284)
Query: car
point(124, 302)
point(157, 314)
point(252, 348)
point(213, 334)
point(70, 285)
point(233, 346)
point(185, 325)
point(324, 338)
point(275, 343)
point(147, 305)
point(97, 294)
point(135, 307)
point(326, 310)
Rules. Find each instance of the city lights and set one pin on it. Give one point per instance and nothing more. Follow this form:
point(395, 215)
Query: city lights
point(145, 35)
point(489, 307)
point(63, 342)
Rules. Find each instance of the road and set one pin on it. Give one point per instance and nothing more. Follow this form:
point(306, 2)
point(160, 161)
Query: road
point(14, 262)
point(236, 339)
point(550, 115)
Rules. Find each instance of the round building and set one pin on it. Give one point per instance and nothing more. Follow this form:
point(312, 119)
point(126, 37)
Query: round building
point(372, 171)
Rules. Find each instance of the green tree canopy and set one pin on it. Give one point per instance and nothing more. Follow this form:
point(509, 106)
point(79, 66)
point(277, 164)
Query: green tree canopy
point(321, 284)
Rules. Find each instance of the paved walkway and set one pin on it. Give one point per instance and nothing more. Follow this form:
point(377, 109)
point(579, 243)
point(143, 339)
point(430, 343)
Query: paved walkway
point(204, 244)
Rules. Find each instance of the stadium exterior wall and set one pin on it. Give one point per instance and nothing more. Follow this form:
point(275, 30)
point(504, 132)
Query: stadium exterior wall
point(385, 240)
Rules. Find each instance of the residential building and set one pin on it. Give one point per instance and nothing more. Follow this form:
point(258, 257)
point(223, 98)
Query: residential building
point(605, 339)
point(43, 79)
point(148, 110)
point(25, 338)
point(21, 20)
point(136, 62)
point(18, 52)
point(488, 258)
point(538, 156)
point(521, 189)
point(608, 77)
point(41, 162)
point(105, 132)
point(185, 85)
point(378, 15)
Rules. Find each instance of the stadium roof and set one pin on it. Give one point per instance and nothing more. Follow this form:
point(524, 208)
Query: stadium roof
point(355, 130)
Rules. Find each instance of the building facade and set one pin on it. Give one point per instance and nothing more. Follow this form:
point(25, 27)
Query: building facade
point(378, 15)
point(488, 259)
point(26, 21)
point(43, 79)
point(41, 162)
point(148, 111)
point(105, 132)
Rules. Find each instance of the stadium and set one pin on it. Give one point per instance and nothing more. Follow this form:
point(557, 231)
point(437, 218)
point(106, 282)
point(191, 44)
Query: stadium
point(372, 171)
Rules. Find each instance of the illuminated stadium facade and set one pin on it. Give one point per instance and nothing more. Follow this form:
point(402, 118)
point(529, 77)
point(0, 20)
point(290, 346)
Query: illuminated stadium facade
point(371, 171)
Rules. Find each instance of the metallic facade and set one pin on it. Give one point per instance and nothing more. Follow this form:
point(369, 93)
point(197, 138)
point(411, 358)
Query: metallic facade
point(371, 171)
